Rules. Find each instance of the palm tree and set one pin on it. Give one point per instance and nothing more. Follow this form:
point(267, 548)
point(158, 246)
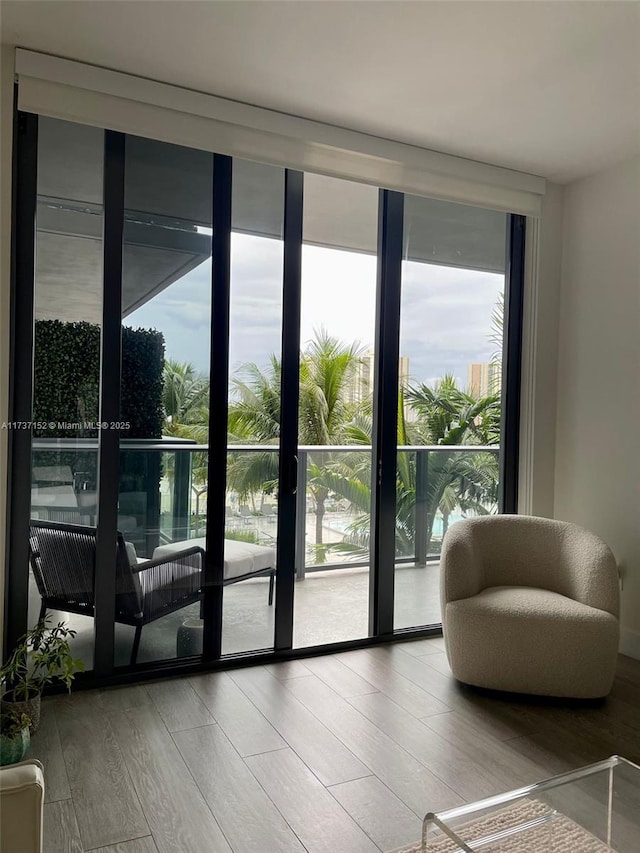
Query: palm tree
point(451, 417)
point(327, 367)
point(447, 416)
point(186, 401)
point(186, 406)
point(254, 417)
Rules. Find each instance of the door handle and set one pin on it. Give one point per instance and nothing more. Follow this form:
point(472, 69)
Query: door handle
point(293, 475)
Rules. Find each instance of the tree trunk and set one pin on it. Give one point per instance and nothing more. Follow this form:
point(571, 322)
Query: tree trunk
point(430, 519)
point(320, 496)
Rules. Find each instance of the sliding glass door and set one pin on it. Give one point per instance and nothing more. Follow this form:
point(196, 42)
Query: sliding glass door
point(335, 411)
point(164, 396)
point(254, 398)
point(271, 393)
point(449, 384)
point(67, 324)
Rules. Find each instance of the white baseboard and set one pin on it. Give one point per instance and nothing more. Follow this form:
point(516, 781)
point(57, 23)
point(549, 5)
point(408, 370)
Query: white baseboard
point(630, 643)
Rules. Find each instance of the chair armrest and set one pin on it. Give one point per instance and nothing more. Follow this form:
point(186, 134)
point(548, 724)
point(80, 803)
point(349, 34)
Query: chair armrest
point(461, 573)
point(592, 569)
point(21, 807)
point(170, 582)
point(177, 557)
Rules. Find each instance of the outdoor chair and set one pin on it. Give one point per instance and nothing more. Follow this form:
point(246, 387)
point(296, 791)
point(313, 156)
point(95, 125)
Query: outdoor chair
point(246, 515)
point(530, 605)
point(269, 513)
point(63, 560)
point(231, 517)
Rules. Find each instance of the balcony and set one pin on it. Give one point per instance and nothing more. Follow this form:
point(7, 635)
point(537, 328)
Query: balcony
point(163, 495)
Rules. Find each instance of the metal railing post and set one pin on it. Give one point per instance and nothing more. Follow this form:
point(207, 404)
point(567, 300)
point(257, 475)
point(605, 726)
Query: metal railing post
point(153, 469)
point(301, 516)
point(181, 494)
point(421, 519)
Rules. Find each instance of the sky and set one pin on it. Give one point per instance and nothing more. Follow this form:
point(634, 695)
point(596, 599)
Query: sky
point(445, 312)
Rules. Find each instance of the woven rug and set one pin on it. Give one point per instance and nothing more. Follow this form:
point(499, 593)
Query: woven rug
point(561, 835)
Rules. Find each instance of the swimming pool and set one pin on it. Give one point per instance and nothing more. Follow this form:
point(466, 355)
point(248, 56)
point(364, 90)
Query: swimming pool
point(341, 525)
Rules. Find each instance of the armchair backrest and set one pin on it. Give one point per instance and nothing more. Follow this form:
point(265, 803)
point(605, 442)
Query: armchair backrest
point(518, 550)
point(63, 560)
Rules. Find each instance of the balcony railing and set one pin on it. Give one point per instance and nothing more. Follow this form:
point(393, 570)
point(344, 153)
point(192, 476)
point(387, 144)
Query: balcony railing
point(162, 496)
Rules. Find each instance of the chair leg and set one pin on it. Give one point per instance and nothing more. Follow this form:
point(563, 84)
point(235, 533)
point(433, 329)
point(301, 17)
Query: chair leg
point(136, 644)
point(272, 578)
point(43, 612)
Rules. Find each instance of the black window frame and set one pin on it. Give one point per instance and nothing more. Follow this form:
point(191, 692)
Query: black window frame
point(389, 252)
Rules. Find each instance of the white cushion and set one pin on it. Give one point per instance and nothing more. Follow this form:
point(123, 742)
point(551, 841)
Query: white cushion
point(131, 553)
point(528, 603)
point(56, 496)
point(240, 558)
point(528, 640)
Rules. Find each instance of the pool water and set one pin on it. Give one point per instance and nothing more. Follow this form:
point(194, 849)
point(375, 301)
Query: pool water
point(342, 524)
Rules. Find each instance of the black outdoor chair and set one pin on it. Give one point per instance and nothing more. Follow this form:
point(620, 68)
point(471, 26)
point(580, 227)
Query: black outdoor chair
point(63, 560)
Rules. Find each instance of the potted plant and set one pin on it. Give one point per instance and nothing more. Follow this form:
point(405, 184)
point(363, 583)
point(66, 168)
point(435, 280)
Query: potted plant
point(14, 736)
point(41, 657)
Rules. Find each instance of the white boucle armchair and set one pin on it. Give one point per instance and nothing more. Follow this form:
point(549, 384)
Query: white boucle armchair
point(21, 807)
point(530, 605)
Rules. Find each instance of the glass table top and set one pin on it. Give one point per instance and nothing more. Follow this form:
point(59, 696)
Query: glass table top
point(594, 809)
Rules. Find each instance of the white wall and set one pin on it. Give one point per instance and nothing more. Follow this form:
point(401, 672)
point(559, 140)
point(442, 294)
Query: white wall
point(597, 467)
point(6, 126)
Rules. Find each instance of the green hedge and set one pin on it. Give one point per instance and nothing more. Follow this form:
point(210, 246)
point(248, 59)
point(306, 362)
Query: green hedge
point(142, 382)
point(66, 379)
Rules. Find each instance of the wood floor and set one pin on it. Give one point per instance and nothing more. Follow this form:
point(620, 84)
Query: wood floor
point(339, 754)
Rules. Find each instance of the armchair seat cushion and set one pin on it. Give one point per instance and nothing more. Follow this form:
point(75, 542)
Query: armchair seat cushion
point(527, 640)
point(520, 603)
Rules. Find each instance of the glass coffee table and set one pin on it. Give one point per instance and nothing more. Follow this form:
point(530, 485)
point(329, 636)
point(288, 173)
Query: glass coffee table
point(591, 810)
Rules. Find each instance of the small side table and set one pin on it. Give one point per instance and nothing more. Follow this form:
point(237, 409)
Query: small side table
point(189, 638)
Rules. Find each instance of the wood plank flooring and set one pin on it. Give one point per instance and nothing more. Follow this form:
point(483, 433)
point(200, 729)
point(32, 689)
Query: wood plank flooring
point(340, 754)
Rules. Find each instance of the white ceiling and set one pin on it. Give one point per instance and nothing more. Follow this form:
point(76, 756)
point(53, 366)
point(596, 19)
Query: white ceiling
point(551, 88)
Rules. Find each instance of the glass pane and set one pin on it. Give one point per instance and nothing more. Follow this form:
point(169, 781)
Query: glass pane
point(166, 319)
point(592, 808)
point(68, 317)
point(453, 280)
point(255, 343)
point(336, 388)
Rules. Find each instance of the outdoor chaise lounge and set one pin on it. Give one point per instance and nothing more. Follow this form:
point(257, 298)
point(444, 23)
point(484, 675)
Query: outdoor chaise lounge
point(242, 560)
point(63, 558)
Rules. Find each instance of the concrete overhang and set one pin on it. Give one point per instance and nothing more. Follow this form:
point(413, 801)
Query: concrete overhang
point(168, 219)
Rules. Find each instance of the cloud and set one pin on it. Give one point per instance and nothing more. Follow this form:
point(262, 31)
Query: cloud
point(445, 312)
point(446, 319)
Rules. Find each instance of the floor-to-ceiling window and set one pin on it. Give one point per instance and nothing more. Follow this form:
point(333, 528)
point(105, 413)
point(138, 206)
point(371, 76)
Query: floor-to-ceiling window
point(253, 435)
point(66, 374)
point(449, 381)
point(164, 398)
point(336, 391)
point(241, 470)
